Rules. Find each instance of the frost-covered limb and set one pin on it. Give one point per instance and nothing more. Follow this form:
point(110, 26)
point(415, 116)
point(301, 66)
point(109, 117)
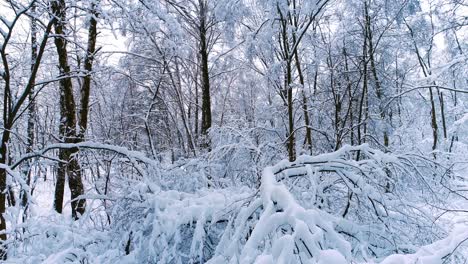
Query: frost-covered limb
point(88, 145)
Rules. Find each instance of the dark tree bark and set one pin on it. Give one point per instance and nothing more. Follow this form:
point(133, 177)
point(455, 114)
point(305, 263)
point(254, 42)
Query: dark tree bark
point(88, 68)
point(67, 122)
point(31, 109)
point(308, 135)
point(285, 45)
point(205, 76)
point(363, 109)
point(351, 97)
point(196, 116)
point(426, 73)
point(442, 112)
point(3, 176)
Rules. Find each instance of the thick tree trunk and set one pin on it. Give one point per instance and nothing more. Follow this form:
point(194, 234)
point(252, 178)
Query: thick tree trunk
point(68, 120)
point(73, 168)
point(60, 182)
point(76, 184)
point(3, 176)
point(206, 97)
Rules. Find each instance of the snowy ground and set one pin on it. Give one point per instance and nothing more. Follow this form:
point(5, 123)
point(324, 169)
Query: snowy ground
point(43, 198)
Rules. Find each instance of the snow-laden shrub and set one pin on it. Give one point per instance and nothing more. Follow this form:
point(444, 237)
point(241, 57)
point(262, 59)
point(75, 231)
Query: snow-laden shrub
point(237, 158)
point(354, 205)
point(377, 206)
point(241, 153)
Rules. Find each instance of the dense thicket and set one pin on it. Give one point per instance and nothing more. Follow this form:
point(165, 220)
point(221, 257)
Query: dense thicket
point(165, 118)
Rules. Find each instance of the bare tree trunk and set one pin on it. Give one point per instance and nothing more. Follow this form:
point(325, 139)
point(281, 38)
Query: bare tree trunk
point(431, 95)
point(351, 97)
point(286, 52)
point(291, 136)
point(378, 87)
point(363, 109)
point(76, 184)
point(308, 135)
point(68, 112)
point(196, 115)
point(68, 120)
point(206, 97)
point(31, 110)
point(3, 176)
point(60, 183)
point(442, 112)
point(433, 120)
point(74, 169)
point(88, 68)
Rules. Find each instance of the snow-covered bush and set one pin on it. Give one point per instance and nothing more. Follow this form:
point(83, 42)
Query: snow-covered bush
point(334, 206)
